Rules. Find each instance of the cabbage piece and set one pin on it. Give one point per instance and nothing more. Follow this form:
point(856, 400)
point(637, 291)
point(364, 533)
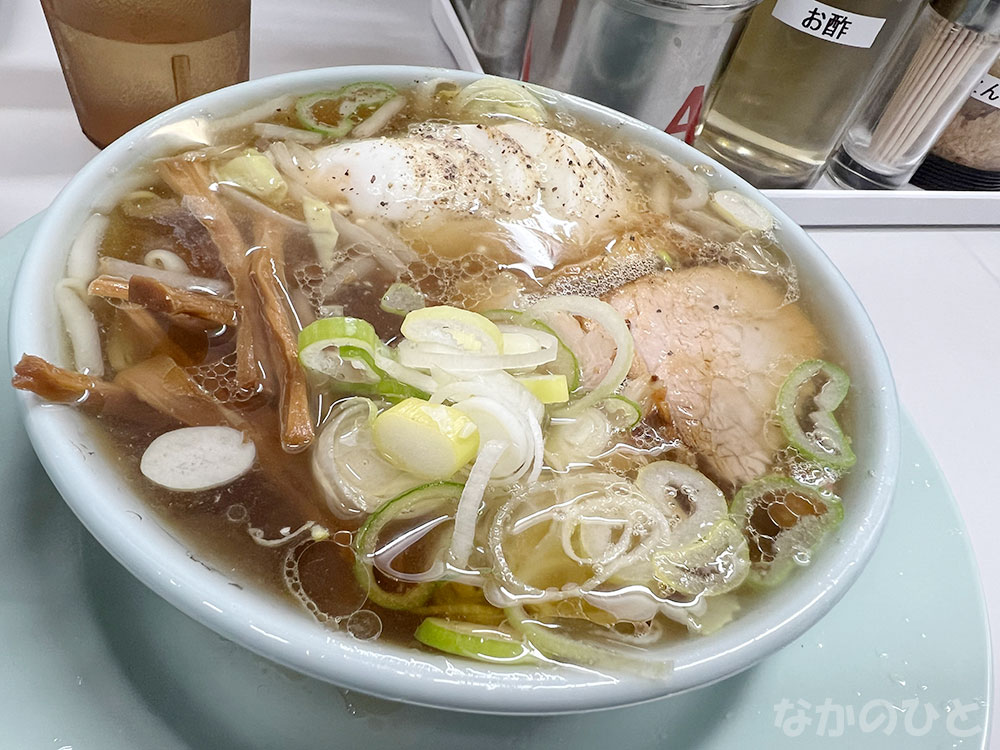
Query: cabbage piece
point(498, 97)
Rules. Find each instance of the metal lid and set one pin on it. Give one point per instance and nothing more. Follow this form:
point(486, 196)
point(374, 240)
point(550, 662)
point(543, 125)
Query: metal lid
point(977, 15)
point(653, 8)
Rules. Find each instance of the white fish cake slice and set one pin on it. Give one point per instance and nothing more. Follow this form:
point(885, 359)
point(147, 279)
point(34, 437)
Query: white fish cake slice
point(191, 459)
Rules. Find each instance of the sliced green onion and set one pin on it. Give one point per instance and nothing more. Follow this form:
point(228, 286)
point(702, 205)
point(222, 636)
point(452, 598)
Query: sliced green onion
point(716, 562)
point(578, 440)
point(565, 362)
point(473, 641)
point(439, 497)
point(822, 440)
point(549, 389)
point(783, 521)
point(549, 641)
point(400, 299)
point(432, 441)
point(336, 113)
point(468, 612)
point(623, 412)
point(342, 349)
point(347, 466)
point(350, 355)
point(444, 325)
point(703, 503)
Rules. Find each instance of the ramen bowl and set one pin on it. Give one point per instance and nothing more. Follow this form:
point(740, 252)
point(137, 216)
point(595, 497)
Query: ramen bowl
point(90, 481)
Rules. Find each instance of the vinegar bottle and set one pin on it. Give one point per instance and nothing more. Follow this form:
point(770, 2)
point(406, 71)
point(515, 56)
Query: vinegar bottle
point(795, 79)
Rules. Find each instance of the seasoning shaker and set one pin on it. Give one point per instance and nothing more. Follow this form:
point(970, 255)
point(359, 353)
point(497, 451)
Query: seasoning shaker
point(497, 31)
point(653, 59)
point(952, 45)
point(966, 155)
point(794, 82)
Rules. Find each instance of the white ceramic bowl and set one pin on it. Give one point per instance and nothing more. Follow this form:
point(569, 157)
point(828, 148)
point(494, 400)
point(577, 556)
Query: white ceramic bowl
point(280, 631)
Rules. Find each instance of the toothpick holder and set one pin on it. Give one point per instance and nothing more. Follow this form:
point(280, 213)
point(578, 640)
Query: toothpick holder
point(952, 43)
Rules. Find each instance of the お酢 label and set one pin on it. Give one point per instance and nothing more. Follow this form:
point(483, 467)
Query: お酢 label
point(988, 91)
point(826, 22)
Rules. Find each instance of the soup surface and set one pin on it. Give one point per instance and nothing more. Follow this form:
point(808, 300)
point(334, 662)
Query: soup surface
point(452, 367)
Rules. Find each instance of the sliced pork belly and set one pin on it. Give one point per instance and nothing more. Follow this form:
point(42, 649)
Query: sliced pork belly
point(720, 343)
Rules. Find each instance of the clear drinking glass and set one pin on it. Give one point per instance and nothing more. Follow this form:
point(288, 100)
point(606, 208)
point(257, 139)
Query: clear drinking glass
point(127, 60)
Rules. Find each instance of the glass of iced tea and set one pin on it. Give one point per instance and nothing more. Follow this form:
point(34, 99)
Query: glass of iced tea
point(127, 60)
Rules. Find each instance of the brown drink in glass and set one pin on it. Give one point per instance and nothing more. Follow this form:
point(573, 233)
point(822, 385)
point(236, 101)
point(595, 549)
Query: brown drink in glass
point(127, 60)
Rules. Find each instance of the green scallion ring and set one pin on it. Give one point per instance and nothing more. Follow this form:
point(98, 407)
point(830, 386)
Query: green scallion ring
point(353, 103)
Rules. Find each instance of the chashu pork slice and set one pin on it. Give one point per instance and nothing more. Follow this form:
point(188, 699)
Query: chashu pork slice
point(720, 343)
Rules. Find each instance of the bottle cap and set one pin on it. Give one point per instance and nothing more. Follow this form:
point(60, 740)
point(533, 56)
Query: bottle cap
point(982, 16)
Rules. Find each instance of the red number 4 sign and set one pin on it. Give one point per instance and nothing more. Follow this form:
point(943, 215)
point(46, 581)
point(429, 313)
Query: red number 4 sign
point(686, 120)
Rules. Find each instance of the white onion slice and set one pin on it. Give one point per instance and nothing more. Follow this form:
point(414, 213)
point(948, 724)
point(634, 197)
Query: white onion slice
point(496, 385)
point(472, 497)
point(427, 356)
point(497, 423)
point(611, 320)
point(191, 459)
point(538, 444)
point(403, 374)
point(249, 116)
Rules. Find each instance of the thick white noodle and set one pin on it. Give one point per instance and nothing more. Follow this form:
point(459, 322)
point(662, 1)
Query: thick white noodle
point(249, 116)
point(390, 251)
point(380, 118)
point(81, 263)
point(258, 535)
point(258, 206)
point(126, 270)
point(123, 184)
point(81, 327)
point(425, 91)
point(284, 133)
point(165, 260)
point(391, 240)
point(698, 186)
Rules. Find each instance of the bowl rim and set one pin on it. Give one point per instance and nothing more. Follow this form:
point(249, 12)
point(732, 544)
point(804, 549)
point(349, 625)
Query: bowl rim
point(278, 631)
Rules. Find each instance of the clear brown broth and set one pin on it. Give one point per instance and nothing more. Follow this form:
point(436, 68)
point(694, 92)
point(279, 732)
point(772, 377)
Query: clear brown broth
point(205, 519)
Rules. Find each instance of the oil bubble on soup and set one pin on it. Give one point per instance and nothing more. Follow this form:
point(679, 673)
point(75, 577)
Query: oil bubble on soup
point(460, 371)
